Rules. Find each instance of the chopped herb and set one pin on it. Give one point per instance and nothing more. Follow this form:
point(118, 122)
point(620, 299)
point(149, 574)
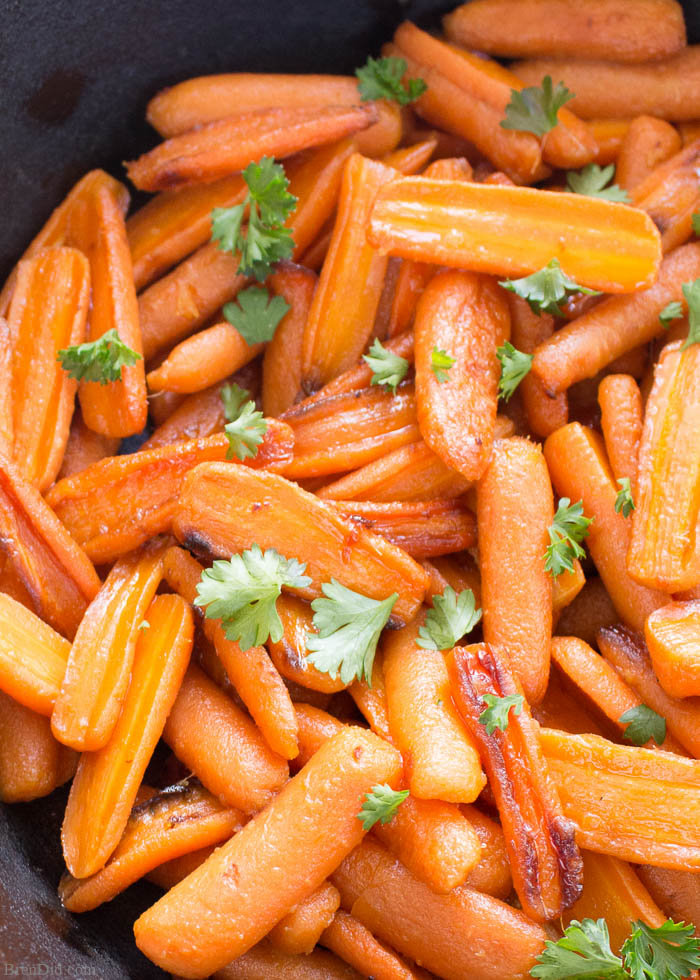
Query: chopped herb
point(498, 709)
point(672, 311)
point(567, 530)
point(624, 501)
point(380, 805)
point(592, 181)
point(254, 315)
point(387, 368)
point(441, 362)
point(451, 618)
point(643, 724)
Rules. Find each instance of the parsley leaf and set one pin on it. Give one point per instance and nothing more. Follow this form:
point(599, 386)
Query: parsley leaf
point(254, 315)
point(451, 617)
point(514, 366)
point(380, 805)
point(566, 531)
point(691, 291)
point(243, 592)
point(269, 203)
point(696, 223)
point(582, 952)
point(143, 625)
point(98, 360)
point(380, 78)
point(534, 110)
point(544, 290)
point(624, 501)
point(497, 711)
point(387, 368)
point(669, 952)
point(441, 362)
point(245, 432)
point(672, 311)
point(643, 723)
point(591, 181)
point(233, 397)
point(348, 625)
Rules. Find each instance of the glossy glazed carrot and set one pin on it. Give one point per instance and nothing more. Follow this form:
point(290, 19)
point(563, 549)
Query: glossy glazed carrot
point(48, 312)
point(32, 762)
point(55, 572)
point(6, 437)
point(609, 135)
point(514, 510)
point(673, 638)
point(670, 196)
point(107, 781)
point(356, 945)
point(580, 471)
point(33, 657)
point(203, 360)
point(280, 857)
point(461, 224)
point(411, 159)
point(492, 873)
point(289, 654)
point(84, 447)
point(176, 822)
point(199, 415)
point(345, 303)
point(315, 179)
point(466, 316)
point(566, 587)
point(544, 412)
point(621, 421)
point(302, 927)
point(282, 363)
point(441, 759)
point(370, 698)
point(265, 962)
point(648, 143)
point(214, 515)
point(676, 892)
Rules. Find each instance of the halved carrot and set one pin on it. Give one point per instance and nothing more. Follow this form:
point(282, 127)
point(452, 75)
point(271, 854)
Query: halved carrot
point(356, 945)
point(673, 637)
point(466, 316)
point(99, 666)
point(580, 471)
point(33, 657)
point(217, 149)
point(199, 415)
point(282, 363)
point(609, 135)
point(254, 677)
point(315, 182)
point(302, 927)
point(545, 861)
point(514, 510)
point(621, 421)
point(48, 312)
point(219, 513)
point(345, 303)
point(84, 447)
point(614, 326)
point(32, 762)
point(461, 224)
point(177, 821)
point(289, 654)
point(544, 412)
point(648, 143)
point(55, 571)
point(676, 892)
point(107, 781)
point(203, 360)
point(631, 803)
point(670, 196)
point(280, 857)
point(265, 962)
point(492, 873)
point(120, 502)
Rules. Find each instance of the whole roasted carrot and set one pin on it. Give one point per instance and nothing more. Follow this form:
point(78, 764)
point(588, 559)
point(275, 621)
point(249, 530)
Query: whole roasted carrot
point(203, 360)
point(673, 637)
point(544, 412)
point(48, 312)
point(265, 962)
point(466, 316)
point(32, 762)
point(107, 781)
point(356, 945)
point(280, 857)
point(56, 573)
point(648, 143)
point(217, 513)
point(33, 657)
point(621, 420)
point(461, 224)
point(84, 447)
point(216, 149)
point(302, 927)
point(670, 196)
point(282, 363)
point(514, 510)
point(97, 675)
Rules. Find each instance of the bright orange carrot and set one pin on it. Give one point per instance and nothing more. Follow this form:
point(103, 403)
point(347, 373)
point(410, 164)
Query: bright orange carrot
point(280, 857)
point(54, 570)
point(33, 657)
point(170, 873)
point(441, 760)
point(609, 135)
point(514, 510)
point(621, 421)
point(492, 873)
point(670, 196)
point(544, 412)
point(282, 363)
point(315, 182)
point(673, 637)
point(648, 143)
point(199, 415)
point(6, 436)
point(579, 470)
point(32, 762)
point(97, 675)
point(217, 149)
point(216, 513)
point(590, 611)
point(411, 159)
point(563, 709)
point(370, 698)
point(48, 313)
point(676, 892)
point(203, 360)
point(461, 224)
point(289, 654)
point(355, 944)
point(84, 447)
point(302, 927)
point(566, 587)
point(106, 783)
point(265, 962)
point(345, 303)
point(360, 374)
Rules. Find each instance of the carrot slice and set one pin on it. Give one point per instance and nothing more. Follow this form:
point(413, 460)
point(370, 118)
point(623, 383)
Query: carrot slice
point(545, 861)
point(673, 637)
point(97, 675)
point(282, 363)
point(107, 781)
point(302, 927)
point(84, 447)
point(355, 944)
point(544, 412)
point(265, 962)
point(461, 224)
point(427, 529)
point(648, 143)
point(216, 149)
point(32, 762)
point(621, 421)
point(177, 821)
point(55, 571)
point(33, 657)
point(219, 513)
point(670, 195)
point(48, 313)
point(280, 857)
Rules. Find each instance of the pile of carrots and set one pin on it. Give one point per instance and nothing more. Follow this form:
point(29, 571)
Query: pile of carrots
point(412, 235)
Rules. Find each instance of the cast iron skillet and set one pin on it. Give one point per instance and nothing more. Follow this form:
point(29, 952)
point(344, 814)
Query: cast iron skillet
point(76, 77)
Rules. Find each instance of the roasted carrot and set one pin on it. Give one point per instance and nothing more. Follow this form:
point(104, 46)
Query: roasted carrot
point(562, 708)
point(280, 857)
point(566, 587)
point(84, 447)
point(492, 874)
point(673, 637)
point(178, 821)
point(590, 611)
point(514, 510)
point(316, 727)
point(544, 412)
point(628, 802)
point(356, 945)
point(199, 415)
point(32, 762)
point(411, 159)
point(370, 697)
point(216, 149)
point(54, 570)
point(676, 892)
point(302, 927)
point(315, 182)
point(609, 135)
point(648, 143)
point(265, 962)
point(170, 873)
point(461, 224)
point(670, 196)
point(289, 654)
point(282, 363)
point(458, 570)
point(219, 513)
point(6, 435)
point(33, 657)
point(621, 421)
point(203, 360)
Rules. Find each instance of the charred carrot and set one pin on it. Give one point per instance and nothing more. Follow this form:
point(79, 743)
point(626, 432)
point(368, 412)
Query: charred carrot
point(621, 421)
point(648, 143)
point(544, 412)
point(673, 637)
point(492, 874)
point(670, 196)
point(460, 224)
point(203, 360)
point(282, 363)
point(356, 945)
point(280, 857)
point(302, 927)
point(33, 657)
point(32, 762)
point(265, 962)
point(84, 447)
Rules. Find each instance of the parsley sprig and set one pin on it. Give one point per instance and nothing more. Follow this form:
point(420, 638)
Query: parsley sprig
point(451, 617)
point(534, 110)
point(672, 311)
point(514, 366)
point(544, 290)
point(497, 712)
point(691, 291)
point(99, 360)
point(387, 368)
point(233, 397)
point(381, 78)
point(245, 432)
point(624, 502)
point(254, 315)
point(642, 724)
point(380, 805)
point(566, 531)
point(594, 181)
point(269, 204)
point(441, 362)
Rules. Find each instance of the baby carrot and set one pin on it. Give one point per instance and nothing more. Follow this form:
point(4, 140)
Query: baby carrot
point(289, 654)
point(356, 945)
point(199, 415)
point(492, 874)
point(203, 360)
point(544, 412)
point(32, 762)
point(670, 195)
point(265, 962)
point(673, 637)
point(33, 657)
point(84, 447)
point(370, 698)
point(676, 892)
point(282, 363)
point(621, 421)
point(302, 927)
point(411, 159)
point(423, 529)
point(609, 135)
point(648, 143)
point(315, 180)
